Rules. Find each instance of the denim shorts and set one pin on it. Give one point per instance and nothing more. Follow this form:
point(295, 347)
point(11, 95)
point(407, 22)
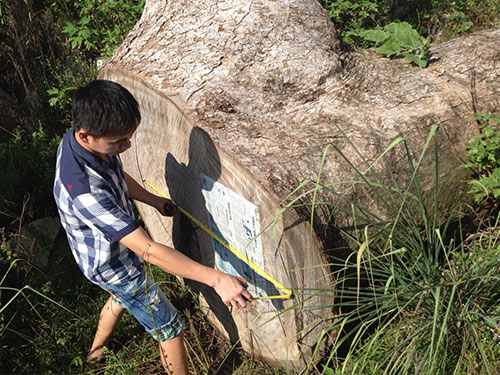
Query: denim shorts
point(143, 298)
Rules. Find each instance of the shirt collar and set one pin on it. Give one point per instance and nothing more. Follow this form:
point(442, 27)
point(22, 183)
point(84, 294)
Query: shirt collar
point(90, 158)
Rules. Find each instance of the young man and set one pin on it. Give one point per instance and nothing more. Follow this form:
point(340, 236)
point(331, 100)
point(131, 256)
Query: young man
point(93, 196)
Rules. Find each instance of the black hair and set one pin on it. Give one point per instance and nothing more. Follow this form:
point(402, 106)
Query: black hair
point(105, 108)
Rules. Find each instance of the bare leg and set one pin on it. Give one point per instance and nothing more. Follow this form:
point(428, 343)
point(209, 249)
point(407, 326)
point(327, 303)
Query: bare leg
point(108, 320)
point(173, 355)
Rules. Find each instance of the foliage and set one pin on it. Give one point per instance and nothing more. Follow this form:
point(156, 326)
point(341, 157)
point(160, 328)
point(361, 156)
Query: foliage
point(28, 174)
point(48, 326)
point(29, 313)
point(31, 47)
point(101, 25)
point(366, 24)
point(38, 67)
point(41, 73)
point(97, 30)
point(399, 39)
point(434, 20)
point(483, 154)
point(445, 19)
point(81, 35)
point(60, 97)
point(414, 294)
point(350, 16)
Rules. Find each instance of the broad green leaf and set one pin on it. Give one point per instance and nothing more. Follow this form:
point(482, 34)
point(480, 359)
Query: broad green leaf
point(419, 61)
point(398, 27)
point(377, 36)
point(390, 47)
point(410, 39)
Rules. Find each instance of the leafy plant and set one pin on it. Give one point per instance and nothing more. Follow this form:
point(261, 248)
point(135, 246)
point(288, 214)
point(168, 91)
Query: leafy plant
point(399, 39)
point(350, 16)
point(102, 25)
point(483, 154)
point(445, 19)
point(60, 97)
point(81, 35)
point(439, 20)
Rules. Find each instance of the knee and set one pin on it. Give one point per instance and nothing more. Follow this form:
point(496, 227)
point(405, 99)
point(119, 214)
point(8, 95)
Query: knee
point(111, 307)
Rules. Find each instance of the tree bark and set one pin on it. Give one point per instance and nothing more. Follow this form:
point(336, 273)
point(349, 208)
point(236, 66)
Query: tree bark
point(248, 94)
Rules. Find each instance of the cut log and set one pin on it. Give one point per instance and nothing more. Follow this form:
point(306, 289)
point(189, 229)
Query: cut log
point(239, 99)
point(181, 160)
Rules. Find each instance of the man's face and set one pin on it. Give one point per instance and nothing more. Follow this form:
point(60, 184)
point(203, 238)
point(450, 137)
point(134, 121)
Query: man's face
point(104, 146)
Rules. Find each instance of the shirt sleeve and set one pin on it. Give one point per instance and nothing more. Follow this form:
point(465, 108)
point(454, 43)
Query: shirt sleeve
point(101, 212)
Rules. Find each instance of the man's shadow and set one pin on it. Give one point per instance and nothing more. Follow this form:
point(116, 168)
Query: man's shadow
point(186, 184)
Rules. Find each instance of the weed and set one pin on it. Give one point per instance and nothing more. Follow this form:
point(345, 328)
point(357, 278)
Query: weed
point(434, 20)
point(483, 154)
point(446, 19)
point(350, 16)
point(398, 39)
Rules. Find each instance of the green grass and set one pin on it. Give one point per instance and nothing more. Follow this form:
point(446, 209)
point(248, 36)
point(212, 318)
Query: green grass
point(415, 294)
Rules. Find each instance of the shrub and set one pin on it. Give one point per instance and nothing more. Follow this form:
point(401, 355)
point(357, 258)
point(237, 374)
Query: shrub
point(445, 19)
point(435, 20)
point(349, 16)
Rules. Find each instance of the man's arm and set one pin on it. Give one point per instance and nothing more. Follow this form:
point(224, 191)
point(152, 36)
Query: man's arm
point(230, 288)
point(137, 192)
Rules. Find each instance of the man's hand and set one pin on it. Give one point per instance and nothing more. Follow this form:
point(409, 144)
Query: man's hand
point(165, 206)
point(232, 290)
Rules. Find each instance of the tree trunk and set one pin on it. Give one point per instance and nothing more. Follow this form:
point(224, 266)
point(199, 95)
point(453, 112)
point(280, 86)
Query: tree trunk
point(239, 99)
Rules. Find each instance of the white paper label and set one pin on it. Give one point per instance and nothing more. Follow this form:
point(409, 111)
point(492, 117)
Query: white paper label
point(236, 221)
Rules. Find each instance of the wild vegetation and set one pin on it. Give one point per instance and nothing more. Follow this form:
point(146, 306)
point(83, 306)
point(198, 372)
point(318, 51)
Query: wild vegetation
point(417, 296)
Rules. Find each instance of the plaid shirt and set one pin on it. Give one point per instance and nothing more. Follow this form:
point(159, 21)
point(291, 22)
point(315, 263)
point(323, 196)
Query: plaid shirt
point(96, 212)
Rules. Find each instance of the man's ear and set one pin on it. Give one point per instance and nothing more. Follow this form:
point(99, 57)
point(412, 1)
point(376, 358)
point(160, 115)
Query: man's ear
point(83, 135)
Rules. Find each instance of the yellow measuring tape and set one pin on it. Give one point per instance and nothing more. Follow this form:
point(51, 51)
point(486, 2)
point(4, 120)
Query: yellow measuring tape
point(287, 293)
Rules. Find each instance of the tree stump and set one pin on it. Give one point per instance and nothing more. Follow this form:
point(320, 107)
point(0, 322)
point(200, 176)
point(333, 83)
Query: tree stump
point(239, 99)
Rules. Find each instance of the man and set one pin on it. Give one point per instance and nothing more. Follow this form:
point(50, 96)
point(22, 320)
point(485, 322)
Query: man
point(93, 196)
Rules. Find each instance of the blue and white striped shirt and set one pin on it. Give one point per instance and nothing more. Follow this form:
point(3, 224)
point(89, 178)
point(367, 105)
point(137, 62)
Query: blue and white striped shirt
point(96, 212)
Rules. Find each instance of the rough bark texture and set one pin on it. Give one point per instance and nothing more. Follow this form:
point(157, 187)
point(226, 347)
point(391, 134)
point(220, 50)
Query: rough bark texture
point(250, 93)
